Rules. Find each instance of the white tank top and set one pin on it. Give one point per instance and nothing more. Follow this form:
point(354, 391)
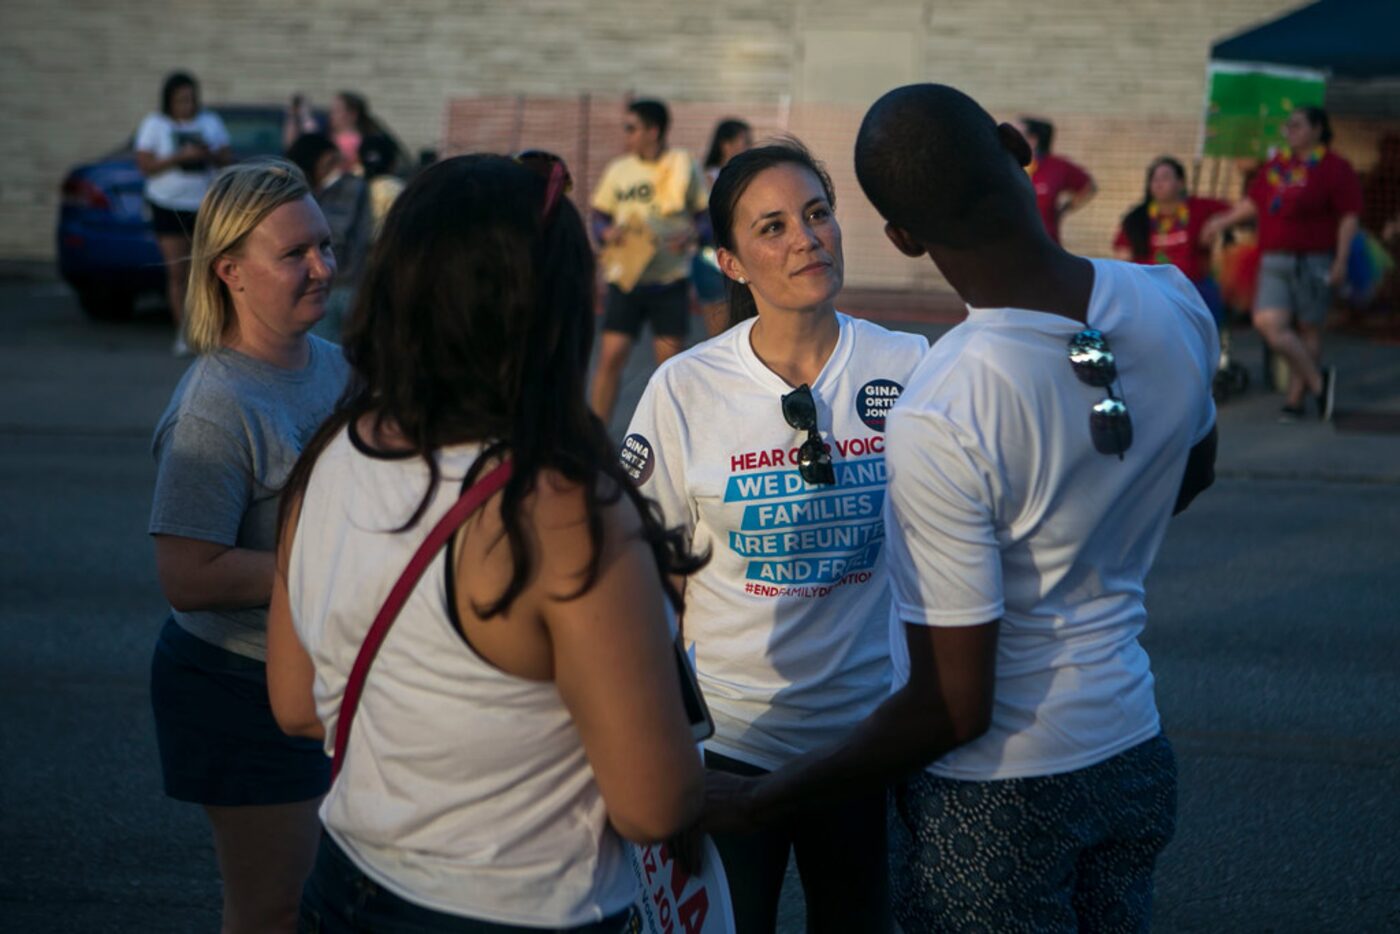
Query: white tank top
point(464, 789)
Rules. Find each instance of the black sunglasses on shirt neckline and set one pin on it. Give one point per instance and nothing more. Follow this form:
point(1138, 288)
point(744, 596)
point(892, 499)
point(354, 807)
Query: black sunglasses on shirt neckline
point(1110, 426)
point(813, 460)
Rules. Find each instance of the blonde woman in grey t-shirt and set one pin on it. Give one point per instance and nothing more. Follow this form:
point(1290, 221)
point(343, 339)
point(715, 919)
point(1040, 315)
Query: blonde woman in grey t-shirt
point(261, 272)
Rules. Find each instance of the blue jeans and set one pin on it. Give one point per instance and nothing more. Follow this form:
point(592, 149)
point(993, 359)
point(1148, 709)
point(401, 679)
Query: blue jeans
point(340, 899)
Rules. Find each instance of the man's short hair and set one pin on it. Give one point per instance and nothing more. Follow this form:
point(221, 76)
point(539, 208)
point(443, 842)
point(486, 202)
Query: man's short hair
point(1044, 132)
point(933, 163)
point(653, 113)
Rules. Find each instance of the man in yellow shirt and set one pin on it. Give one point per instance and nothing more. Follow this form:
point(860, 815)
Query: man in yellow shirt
point(649, 211)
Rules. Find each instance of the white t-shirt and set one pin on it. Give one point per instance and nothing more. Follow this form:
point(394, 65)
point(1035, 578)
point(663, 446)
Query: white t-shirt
point(790, 617)
point(177, 188)
point(1000, 508)
point(464, 788)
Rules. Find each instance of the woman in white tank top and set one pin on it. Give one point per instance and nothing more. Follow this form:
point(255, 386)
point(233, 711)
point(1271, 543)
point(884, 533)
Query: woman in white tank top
point(523, 713)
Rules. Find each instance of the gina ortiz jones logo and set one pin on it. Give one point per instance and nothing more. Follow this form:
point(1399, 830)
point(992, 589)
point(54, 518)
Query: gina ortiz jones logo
point(874, 401)
point(637, 457)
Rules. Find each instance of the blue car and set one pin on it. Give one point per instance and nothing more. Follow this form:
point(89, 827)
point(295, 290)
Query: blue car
point(106, 250)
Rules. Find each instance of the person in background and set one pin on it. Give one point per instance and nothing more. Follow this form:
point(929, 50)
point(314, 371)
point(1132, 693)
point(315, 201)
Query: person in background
point(260, 278)
point(178, 149)
point(350, 123)
point(1061, 187)
point(654, 191)
point(379, 156)
point(298, 119)
point(731, 137)
point(1307, 200)
point(765, 445)
point(1024, 507)
point(1168, 226)
point(345, 201)
point(524, 713)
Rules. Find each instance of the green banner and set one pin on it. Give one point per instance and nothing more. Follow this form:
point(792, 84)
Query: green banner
point(1247, 104)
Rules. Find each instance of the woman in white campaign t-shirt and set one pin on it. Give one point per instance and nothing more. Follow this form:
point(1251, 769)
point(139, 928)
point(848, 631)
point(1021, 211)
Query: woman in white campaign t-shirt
point(179, 149)
point(790, 616)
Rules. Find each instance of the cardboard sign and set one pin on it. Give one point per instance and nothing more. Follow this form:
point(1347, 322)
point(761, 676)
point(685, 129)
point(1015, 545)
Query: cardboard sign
point(673, 902)
point(624, 261)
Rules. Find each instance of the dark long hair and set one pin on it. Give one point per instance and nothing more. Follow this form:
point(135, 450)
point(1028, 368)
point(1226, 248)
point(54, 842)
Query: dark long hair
point(734, 179)
point(728, 129)
point(1318, 119)
point(474, 323)
point(1137, 225)
point(357, 104)
point(174, 82)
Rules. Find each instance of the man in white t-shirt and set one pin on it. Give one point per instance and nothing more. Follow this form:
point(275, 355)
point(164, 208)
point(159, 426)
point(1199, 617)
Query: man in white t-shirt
point(1034, 459)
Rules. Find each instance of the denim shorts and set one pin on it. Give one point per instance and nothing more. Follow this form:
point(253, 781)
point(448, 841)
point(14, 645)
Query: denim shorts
point(1296, 283)
point(339, 899)
point(219, 743)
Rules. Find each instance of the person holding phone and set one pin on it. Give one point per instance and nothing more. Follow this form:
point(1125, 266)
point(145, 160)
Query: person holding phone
point(523, 714)
point(178, 149)
point(765, 445)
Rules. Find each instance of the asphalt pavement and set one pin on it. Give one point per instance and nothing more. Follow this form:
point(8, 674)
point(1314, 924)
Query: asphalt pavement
point(1274, 632)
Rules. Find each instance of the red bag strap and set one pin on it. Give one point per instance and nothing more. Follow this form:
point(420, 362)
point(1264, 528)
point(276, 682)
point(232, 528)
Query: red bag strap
point(470, 501)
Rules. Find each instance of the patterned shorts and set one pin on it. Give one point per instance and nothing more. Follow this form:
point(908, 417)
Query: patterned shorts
point(1068, 852)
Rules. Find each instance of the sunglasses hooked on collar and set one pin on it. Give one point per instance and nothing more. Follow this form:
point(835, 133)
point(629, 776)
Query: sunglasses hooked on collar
point(813, 460)
point(1110, 426)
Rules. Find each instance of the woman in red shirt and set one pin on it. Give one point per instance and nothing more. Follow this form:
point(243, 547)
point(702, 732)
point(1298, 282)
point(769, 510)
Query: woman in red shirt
point(1308, 201)
point(1167, 226)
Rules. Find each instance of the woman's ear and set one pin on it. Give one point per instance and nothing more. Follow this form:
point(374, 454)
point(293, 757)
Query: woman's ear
point(729, 265)
point(227, 269)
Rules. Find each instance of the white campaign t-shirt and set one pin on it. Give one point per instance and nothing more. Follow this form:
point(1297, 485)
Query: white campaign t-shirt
point(790, 617)
point(1000, 508)
point(180, 189)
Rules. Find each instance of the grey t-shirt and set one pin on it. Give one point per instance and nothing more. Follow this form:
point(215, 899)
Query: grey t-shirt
point(223, 449)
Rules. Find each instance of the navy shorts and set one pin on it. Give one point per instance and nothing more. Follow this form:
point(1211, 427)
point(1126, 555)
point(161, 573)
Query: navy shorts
point(168, 223)
point(1067, 852)
point(339, 897)
point(666, 307)
point(219, 744)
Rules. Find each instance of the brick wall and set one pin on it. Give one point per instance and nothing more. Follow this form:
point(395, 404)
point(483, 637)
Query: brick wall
point(1123, 79)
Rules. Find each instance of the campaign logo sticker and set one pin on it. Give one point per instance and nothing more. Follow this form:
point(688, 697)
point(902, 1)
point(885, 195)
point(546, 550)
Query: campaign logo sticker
point(874, 400)
point(637, 457)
